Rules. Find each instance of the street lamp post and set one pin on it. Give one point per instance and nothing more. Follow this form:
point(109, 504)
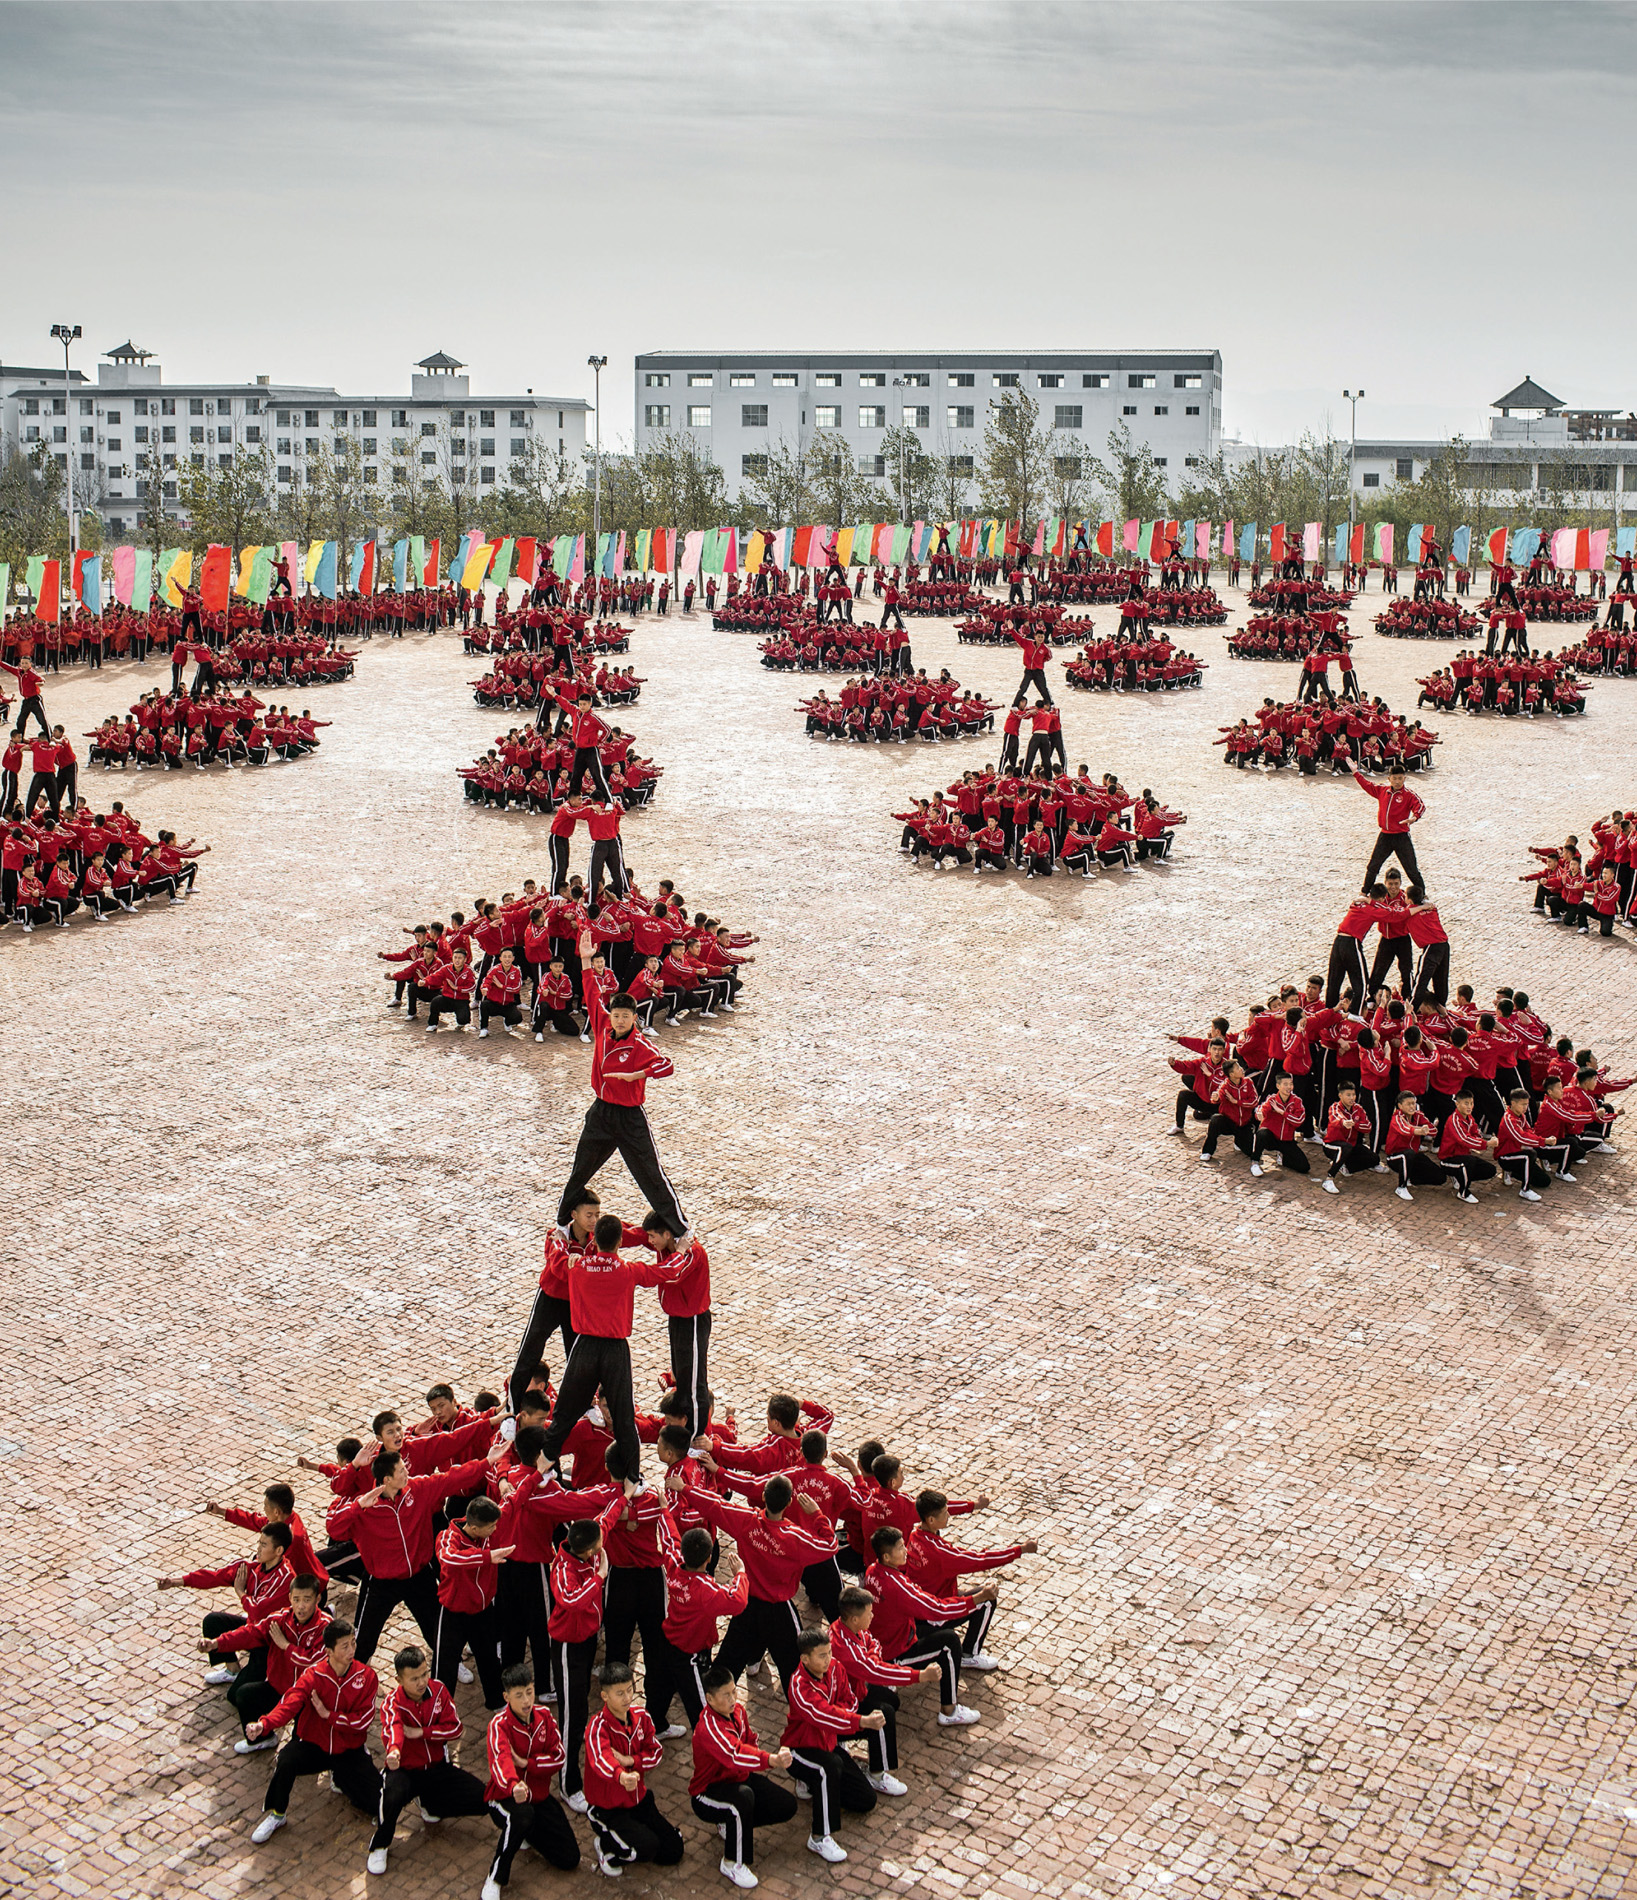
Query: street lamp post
point(66, 335)
point(1355, 397)
point(598, 364)
point(900, 382)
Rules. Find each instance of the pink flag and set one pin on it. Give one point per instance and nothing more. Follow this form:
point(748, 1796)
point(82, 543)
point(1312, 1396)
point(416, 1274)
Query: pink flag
point(1563, 548)
point(125, 574)
point(1227, 540)
point(1202, 541)
point(693, 547)
point(290, 555)
point(576, 561)
point(1597, 549)
point(1128, 539)
point(1039, 540)
point(1310, 541)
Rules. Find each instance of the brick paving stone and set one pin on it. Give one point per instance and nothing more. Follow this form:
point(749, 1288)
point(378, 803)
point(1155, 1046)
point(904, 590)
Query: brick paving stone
point(1334, 1496)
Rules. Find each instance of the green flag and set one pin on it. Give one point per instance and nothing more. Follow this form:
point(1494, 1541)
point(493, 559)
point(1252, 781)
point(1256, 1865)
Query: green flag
point(260, 584)
point(142, 582)
point(500, 570)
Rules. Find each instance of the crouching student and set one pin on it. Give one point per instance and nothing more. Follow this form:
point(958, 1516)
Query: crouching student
point(938, 1566)
point(1405, 1134)
point(499, 993)
point(915, 1627)
point(620, 1747)
point(729, 1788)
point(333, 1703)
point(821, 1713)
point(525, 1751)
point(262, 1586)
point(875, 1683)
point(279, 1646)
point(1347, 1138)
point(418, 1724)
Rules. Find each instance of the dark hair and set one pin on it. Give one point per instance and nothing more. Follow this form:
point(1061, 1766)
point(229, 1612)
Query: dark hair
point(784, 1410)
point(411, 1656)
point(282, 1497)
point(383, 1418)
point(619, 1463)
point(697, 1546)
point(675, 1438)
point(607, 1232)
point(583, 1535)
point(587, 1197)
point(532, 1401)
point(777, 1494)
point(440, 1392)
point(653, 1223)
point(339, 1628)
point(929, 1504)
point(1518, 1095)
point(615, 1673)
point(852, 1600)
point(882, 1540)
point(482, 1511)
point(815, 1447)
point(714, 1678)
point(886, 1468)
point(620, 1000)
point(868, 1452)
point(487, 1401)
point(517, 1676)
point(806, 1643)
point(279, 1534)
point(346, 1449)
point(384, 1464)
point(306, 1582)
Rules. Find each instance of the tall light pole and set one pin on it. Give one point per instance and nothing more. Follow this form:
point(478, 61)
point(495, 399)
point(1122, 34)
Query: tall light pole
point(65, 336)
point(900, 382)
point(598, 365)
point(1355, 397)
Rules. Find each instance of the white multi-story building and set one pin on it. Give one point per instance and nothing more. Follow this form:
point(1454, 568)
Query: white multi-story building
point(112, 428)
point(739, 407)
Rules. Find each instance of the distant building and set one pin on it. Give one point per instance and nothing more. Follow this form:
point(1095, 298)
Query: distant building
point(110, 429)
point(737, 407)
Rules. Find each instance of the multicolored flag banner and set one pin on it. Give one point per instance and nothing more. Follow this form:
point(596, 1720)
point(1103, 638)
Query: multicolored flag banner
point(1382, 549)
point(323, 577)
point(1497, 545)
point(141, 582)
point(176, 574)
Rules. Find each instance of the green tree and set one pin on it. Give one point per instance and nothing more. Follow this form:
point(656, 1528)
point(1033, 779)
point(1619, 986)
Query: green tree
point(952, 482)
point(33, 514)
point(151, 479)
point(300, 510)
point(1014, 476)
point(1130, 477)
point(840, 493)
point(228, 502)
point(777, 491)
point(541, 495)
point(912, 473)
point(349, 508)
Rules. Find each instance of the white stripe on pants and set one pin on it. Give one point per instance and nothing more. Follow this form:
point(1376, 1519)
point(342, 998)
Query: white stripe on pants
point(823, 1812)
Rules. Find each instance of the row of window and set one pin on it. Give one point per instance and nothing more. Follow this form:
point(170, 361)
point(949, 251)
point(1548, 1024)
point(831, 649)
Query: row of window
point(753, 415)
point(922, 379)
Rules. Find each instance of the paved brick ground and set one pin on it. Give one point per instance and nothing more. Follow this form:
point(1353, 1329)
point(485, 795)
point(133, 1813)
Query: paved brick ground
point(1335, 1497)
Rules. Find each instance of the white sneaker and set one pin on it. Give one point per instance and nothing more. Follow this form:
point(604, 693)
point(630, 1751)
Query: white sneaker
point(585, 1039)
point(1403, 1192)
point(266, 1828)
point(492, 1890)
point(244, 1745)
point(1564, 1175)
point(1173, 1131)
point(606, 1864)
point(1527, 1194)
point(217, 1677)
point(578, 1802)
point(482, 1036)
point(800, 1790)
point(1470, 1199)
point(462, 1673)
point(1605, 1148)
point(1256, 1168)
point(1381, 1168)
point(958, 1717)
point(674, 1734)
point(1329, 1185)
point(981, 1662)
point(886, 1784)
point(538, 1036)
point(740, 1874)
point(377, 1862)
point(429, 1820)
point(757, 1668)
point(1205, 1157)
point(827, 1847)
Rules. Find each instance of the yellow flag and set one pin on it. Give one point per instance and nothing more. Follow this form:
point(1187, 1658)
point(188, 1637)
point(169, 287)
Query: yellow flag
point(315, 554)
point(180, 576)
point(477, 564)
point(247, 560)
point(844, 546)
point(756, 553)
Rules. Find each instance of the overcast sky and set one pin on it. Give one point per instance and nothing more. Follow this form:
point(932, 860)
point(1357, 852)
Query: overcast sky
point(1424, 199)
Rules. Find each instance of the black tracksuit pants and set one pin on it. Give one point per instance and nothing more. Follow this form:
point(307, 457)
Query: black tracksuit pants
point(441, 1788)
point(611, 1128)
point(742, 1807)
point(352, 1771)
point(596, 1362)
point(549, 1314)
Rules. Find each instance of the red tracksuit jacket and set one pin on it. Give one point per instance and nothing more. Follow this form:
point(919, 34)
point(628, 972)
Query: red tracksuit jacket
point(350, 1700)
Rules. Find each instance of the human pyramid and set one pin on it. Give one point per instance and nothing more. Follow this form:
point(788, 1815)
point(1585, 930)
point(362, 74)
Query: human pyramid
point(542, 769)
point(218, 728)
point(1573, 889)
point(467, 1520)
point(1395, 1078)
point(1527, 684)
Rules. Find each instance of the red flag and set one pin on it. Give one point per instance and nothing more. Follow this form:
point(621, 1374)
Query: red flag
point(430, 577)
point(366, 580)
point(969, 535)
point(1499, 540)
point(1276, 546)
point(1057, 544)
point(49, 606)
point(1011, 540)
point(215, 579)
point(1355, 543)
point(78, 585)
point(801, 552)
point(527, 556)
point(1105, 537)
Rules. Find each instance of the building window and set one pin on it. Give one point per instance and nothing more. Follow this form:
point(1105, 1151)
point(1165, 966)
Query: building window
point(284, 418)
point(427, 458)
point(400, 418)
point(871, 418)
point(753, 415)
point(198, 461)
point(457, 471)
point(696, 380)
point(699, 416)
point(486, 419)
point(873, 379)
point(1066, 467)
point(140, 406)
point(1068, 415)
point(919, 379)
point(196, 435)
point(1130, 409)
point(1405, 469)
point(224, 461)
point(752, 464)
point(1007, 379)
point(1190, 461)
point(370, 473)
point(519, 420)
point(559, 423)
point(167, 432)
point(917, 415)
point(960, 415)
point(251, 434)
point(457, 445)
point(827, 379)
point(340, 445)
point(32, 432)
point(312, 445)
point(140, 432)
point(960, 465)
point(167, 405)
point(224, 432)
point(282, 445)
point(654, 379)
point(284, 471)
point(962, 379)
point(31, 405)
point(338, 418)
point(369, 418)
point(1372, 481)
point(310, 418)
point(1191, 409)
point(872, 465)
point(1162, 409)
point(369, 445)
point(520, 443)
point(655, 415)
point(1139, 382)
point(486, 443)
point(88, 435)
point(1053, 381)
point(1159, 461)
point(429, 428)
point(169, 490)
point(90, 461)
point(196, 405)
point(487, 478)
point(742, 379)
point(113, 416)
point(784, 379)
point(827, 416)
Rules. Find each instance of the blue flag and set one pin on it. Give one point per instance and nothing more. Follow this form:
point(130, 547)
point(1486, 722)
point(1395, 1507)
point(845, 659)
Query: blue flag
point(324, 573)
point(91, 585)
point(1247, 541)
point(1625, 542)
point(1524, 543)
point(1341, 545)
point(400, 564)
point(1460, 546)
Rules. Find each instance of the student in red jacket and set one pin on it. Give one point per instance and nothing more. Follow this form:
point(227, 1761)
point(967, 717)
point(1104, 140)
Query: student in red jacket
point(729, 1788)
point(261, 1585)
point(524, 1752)
point(686, 1304)
point(1518, 1148)
point(874, 1683)
point(1347, 1137)
point(915, 1627)
point(418, 1723)
point(620, 1747)
point(279, 1645)
point(501, 989)
point(1234, 1102)
point(578, 1574)
point(1407, 1130)
point(1396, 810)
point(1464, 1150)
point(333, 1703)
point(938, 1566)
point(694, 1602)
point(469, 1556)
point(450, 988)
point(822, 1711)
